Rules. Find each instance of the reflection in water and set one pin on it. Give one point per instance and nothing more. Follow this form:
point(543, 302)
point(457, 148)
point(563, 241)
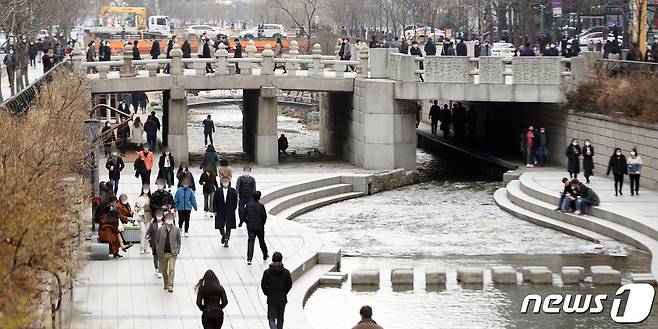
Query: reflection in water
point(451, 223)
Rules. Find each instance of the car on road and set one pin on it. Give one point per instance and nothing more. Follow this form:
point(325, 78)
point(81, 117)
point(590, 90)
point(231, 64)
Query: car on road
point(504, 50)
point(269, 31)
point(211, 31)
point(595, 37)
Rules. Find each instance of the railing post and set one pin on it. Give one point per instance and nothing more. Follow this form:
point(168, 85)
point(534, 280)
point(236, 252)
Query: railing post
point(268, 61)
point(292, 54)
point(127, 68)
point(363, 61)
point(153, 69)
point(251, 49)
point(102, 71)
point(176, 64)
point(316, 66)
point(76, 58)
point(222, 59)
point(337, 48)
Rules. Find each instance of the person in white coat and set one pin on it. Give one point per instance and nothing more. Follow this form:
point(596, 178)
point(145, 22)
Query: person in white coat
point(137, 131)
point(143, 214)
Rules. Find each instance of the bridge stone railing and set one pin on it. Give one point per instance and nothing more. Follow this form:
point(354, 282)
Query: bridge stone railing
point(461, 69)
point(314, 65)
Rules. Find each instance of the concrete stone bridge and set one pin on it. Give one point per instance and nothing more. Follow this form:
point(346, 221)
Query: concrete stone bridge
point(367, 117)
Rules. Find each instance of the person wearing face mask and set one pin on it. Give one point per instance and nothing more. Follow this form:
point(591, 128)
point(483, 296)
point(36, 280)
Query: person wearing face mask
point(542, 143)
point(225, 202)
point(634, 169)
point(184, 202)
point(124, 209)
point(108, 138)
point(147, 158)
point(152, 237)
point(225, 171)
point(143, 213)
point(552, 50)
point(109, 229)
point(114, 165)
point(209, 182)
point(415, 51)
point(210, 160)
point(527, 50)
point(619, 167)
point(588, 160)
point(477, 48)
point(183, 173)
point(161, 199)
point(573, 159)
point(166, 166)
point(586, 198)
point(245, 186)
point(167, 246)
point(530, 147)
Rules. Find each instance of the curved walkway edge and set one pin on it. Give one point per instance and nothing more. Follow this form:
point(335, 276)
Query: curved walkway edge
point(629, 219)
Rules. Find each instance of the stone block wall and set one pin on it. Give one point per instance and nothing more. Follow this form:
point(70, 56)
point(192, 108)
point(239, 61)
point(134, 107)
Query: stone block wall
point(606, 134)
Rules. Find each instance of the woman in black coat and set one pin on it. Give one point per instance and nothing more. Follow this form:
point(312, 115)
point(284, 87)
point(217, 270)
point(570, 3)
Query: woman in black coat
point(186, 49)
point(155, 49)
point(136, 55)
point(588, 160)
point(183, 172)
point(211, 300)
point(619, 168)
point(166, 166)
point(573, 159)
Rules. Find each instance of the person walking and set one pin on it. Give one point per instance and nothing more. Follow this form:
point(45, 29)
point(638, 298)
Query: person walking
point(255, 216)
point(184, 172)
point(237, 53)
point(184, 202)
point(48, 60)
point(210, 160)
point(446, 120)
point(245, 186)
point(224, 204)
point(147, 157)
point(276, 283)
point(166, 168)
point(211, 300)
point(542, 151)
point(170, 46)
point(634, 169)
point(209, 182)
point(151, 129)
point(529, 147)
point(108, 138)
point(143, 215)
point(573, 153)
point(152, 237)
point(278, 53)
point(225, 171)
point(168, 242)
point(161, 199)
point(430, 48)
point(435, 116)
point(39, 47)
point(207, 54)
point(32, 53)
point(208, 130)
point(366, 319)
point(415, 51)
point(123, 133)
point(137, 132)
point(136, 55)
point(619, 167)
point(586, 198)
point(114, 165)
point(588, 160)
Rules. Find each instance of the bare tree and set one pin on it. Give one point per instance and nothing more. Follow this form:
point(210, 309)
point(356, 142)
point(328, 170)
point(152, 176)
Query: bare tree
point(301, 12)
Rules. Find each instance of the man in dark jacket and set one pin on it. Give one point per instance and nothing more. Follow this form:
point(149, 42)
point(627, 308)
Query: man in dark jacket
point(430, 48)
point(123, 133)
point(404, 47)
point(446, 120)
point(161, 198)
point(245, 186)
point(108, 138)
point(155, 119)
point(206, 54)
point(151, 130)
point(366, 319)
point(256, 216)
point(461, 48)
point(208, 130)
point(114, 165)
point(435, 112)
point(282, 144)
point(586, 197)
point(224, 204)
point(237, 53)
point(276, 284)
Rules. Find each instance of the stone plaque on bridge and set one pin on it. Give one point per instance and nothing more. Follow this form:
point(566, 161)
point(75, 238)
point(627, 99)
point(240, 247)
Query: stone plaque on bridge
point(454, 69)
point(536, 70)
point(491, 69)
point(392, 64)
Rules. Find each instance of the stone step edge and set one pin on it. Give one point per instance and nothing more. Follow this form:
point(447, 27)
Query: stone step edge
point(502, 200)
point(308, 206)
point(278, 205)
point(531, 188)
point(279, 191)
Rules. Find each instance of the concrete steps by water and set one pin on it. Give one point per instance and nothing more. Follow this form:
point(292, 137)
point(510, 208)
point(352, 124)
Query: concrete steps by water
point(530, 201)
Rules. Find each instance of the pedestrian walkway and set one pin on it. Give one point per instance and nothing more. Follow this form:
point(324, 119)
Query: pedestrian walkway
point(33, 74)
point(629, 219)
point(125, 293)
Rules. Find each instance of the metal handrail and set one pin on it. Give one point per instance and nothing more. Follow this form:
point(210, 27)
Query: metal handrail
point(22, 101)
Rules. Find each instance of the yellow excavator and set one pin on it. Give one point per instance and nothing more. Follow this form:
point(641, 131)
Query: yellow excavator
point(133, 21)
point(138, 12)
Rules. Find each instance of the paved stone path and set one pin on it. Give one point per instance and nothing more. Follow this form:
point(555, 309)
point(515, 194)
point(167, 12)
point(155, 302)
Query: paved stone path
point(33, 74)
point(125, 293)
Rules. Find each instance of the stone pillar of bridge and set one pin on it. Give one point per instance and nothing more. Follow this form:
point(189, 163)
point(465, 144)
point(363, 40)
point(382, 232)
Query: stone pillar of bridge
point(381, 129)
point(177, 138)
point(266, 129)
point(259, 129)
